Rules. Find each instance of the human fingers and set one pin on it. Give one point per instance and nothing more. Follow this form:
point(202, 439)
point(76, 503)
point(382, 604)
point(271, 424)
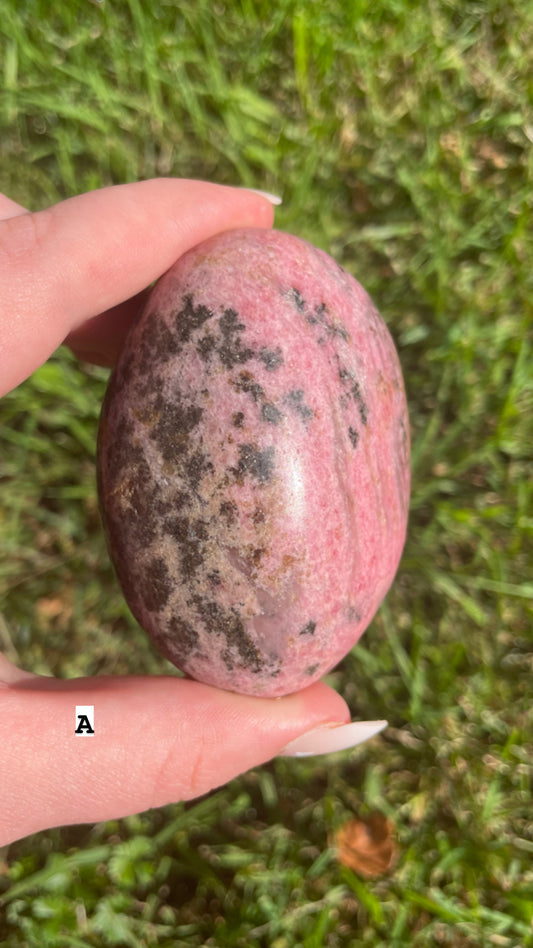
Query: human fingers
point(156, 740)
point(100, 339)
point(61, 266)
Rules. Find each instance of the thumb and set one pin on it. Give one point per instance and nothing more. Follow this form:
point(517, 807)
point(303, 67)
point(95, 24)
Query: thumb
point(156, 740)
point(61, 266)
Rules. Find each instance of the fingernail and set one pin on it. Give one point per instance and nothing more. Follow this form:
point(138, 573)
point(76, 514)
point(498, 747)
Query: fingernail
point(332, 737)
point(273, 198)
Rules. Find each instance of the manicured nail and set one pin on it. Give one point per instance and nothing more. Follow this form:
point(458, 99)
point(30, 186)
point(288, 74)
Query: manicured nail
point(332, 737)
point(273, 198)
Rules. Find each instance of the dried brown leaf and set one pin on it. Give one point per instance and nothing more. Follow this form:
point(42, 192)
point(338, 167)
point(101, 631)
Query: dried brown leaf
point(367, 846)
point(55, 607)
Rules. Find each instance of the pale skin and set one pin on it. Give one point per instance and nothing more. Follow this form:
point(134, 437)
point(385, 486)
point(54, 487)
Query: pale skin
point(77, 272)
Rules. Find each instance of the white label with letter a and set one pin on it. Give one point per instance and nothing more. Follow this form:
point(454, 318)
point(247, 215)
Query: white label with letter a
point(85, 720)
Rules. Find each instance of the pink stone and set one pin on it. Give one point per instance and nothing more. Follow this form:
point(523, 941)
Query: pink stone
point(254, 463)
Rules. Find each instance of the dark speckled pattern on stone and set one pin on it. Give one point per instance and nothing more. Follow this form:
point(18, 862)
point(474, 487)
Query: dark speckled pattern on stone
point(253, 463)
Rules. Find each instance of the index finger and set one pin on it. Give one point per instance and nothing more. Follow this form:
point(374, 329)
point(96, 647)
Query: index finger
point(60, 266)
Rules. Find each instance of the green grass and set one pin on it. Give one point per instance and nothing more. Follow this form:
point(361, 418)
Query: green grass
point(400, 137)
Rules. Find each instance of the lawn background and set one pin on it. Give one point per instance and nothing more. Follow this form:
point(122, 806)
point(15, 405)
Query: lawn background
point(400, 138)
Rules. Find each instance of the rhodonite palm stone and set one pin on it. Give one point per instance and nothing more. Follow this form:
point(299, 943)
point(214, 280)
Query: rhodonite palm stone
point(253, 463)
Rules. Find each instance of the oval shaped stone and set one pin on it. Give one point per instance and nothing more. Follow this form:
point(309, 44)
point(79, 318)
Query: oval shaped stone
point(253, 463)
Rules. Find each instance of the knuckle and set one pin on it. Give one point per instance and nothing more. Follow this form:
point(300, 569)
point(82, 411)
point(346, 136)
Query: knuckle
point(186, 772)
point(23, 237)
